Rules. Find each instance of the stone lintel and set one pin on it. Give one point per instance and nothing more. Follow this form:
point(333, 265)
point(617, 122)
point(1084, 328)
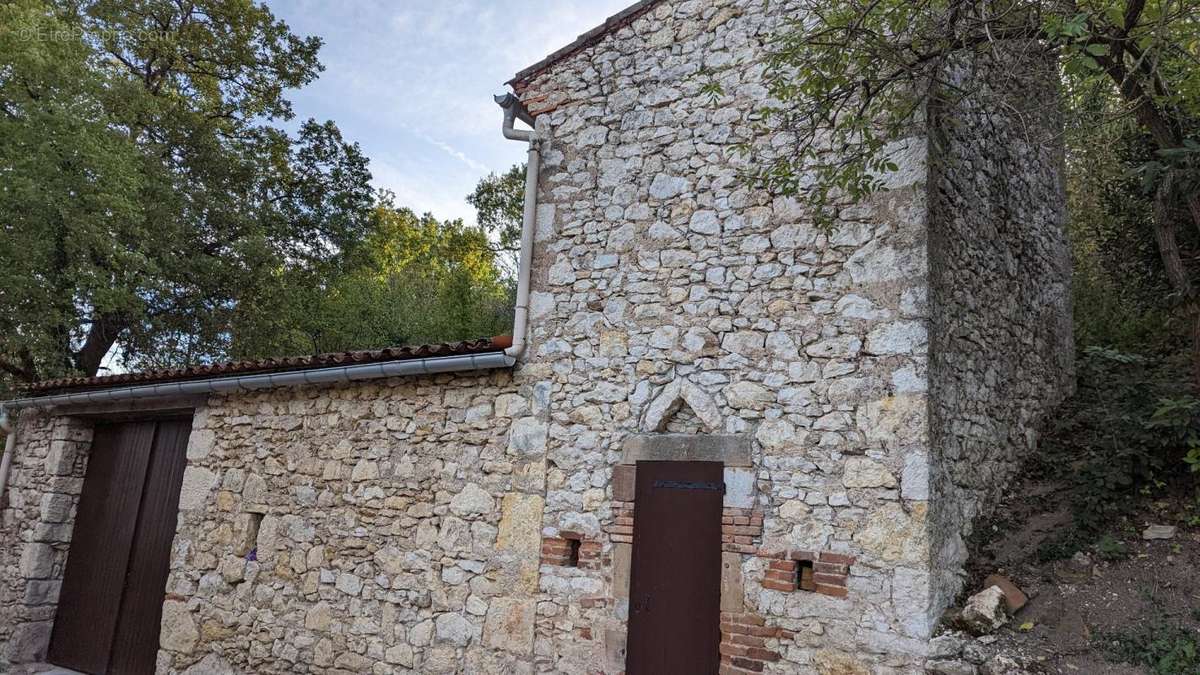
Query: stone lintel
point(731, 449)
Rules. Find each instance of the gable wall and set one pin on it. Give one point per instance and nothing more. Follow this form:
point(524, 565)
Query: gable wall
point(659, 274)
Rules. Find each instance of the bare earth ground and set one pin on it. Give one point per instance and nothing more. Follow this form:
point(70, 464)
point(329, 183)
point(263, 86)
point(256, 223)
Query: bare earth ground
point(1076, 605)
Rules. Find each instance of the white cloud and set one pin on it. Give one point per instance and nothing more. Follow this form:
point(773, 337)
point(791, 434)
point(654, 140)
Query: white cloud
point(412, 83)
point(447, 148)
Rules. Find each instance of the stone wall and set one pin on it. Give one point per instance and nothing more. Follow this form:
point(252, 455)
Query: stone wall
point(1001, 348)
point(35, 527)
point(372, 528)
point(671, 297)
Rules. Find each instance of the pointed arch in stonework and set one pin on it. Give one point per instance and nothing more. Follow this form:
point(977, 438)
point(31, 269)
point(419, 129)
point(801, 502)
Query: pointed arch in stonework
point(671, 400)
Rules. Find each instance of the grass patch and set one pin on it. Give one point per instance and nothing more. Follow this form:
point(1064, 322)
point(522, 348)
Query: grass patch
point(1161, 646)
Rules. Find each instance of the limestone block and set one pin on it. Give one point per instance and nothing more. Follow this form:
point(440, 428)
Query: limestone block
point(746, 343)
point(520, 525)
point(455, 629)
point(198, 485)
point(365, 470)
point(178, 632)
point(37, 561)
point(750, 395)
point(732, 591)
point(61, 458)
point(254, 489)
point(895, 420)
point(985, 611)
point(509, 624)
point(472, 501)
point(43, 592)
point(318, 617)
point(914, 481)
point(57, 507)
point(213, 664)
point(893, 535)
point(912, 597)
point(665, 187)
point(739, 488)
point(833, 662)
point(527, 436)
point(29, 642)
point(900, 337)
point(200, 443)
point(861, 472)
point(778, 436)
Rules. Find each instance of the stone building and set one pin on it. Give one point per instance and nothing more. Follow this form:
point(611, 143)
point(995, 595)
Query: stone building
point(807, 422)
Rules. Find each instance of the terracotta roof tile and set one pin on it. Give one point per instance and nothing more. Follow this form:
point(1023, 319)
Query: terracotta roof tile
point(269, 365)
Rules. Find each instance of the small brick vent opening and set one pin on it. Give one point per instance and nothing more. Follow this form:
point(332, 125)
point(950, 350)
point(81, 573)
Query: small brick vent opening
point(823, 572)
point(804, 576)
point(571, 549)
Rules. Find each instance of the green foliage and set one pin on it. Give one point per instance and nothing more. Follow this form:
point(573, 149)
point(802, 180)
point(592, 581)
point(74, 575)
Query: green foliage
point(499, 202)
point(147, 193)
point(1124, 434)
point(1111, 548)
point(410, 280)
point(850, 80)
point(1179, 419)
point(1122, 298)
point(839, 98)
point(1162, 646)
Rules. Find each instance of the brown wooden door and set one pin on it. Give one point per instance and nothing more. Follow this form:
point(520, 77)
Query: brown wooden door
point(110, 605)
point(675, 578)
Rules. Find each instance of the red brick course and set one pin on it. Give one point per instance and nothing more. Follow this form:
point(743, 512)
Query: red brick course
point(831, 571)
point(744, 640)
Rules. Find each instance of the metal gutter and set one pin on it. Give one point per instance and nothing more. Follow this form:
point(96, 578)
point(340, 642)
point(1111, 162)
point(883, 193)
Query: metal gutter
point(235, 383)
point(216, 385)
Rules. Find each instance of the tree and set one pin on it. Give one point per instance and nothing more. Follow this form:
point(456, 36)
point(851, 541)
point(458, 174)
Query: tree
point(851, 76)
point(499, 202)
point(147, 193)
point(1121, 295)
point(411, 279)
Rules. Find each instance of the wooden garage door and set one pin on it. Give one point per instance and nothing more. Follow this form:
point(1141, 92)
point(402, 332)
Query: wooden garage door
point(112, 593)
point(675, 576)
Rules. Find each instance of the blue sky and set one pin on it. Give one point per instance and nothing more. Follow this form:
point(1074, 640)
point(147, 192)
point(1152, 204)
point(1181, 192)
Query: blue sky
point(412, 83)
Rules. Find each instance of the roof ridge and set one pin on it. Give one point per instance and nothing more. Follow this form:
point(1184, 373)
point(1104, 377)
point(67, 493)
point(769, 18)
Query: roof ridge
point(587, 39)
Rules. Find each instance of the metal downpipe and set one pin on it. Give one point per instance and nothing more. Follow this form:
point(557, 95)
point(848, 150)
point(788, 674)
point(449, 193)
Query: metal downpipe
point(514, 110)
point(9, 424)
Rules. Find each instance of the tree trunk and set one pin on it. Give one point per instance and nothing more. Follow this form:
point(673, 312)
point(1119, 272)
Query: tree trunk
point(1165, 234)
point(1195, 312)
point(101, 337)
